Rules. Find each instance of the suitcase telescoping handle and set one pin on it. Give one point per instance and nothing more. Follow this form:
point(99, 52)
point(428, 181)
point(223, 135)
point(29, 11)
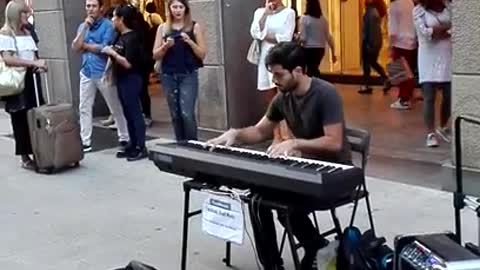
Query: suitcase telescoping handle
point(37, 91)
point(460, 200)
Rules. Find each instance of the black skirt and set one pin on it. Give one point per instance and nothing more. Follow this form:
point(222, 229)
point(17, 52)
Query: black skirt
point(18, 106)
point(21, 133)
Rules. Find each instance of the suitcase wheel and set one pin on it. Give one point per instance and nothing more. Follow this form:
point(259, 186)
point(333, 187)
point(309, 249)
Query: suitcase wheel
point(76, 164)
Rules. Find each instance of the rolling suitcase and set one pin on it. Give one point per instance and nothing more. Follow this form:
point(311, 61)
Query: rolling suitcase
point(54, 134)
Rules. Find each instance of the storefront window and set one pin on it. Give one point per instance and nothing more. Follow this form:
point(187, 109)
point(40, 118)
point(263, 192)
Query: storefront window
point(345, 22)
point(140, 4)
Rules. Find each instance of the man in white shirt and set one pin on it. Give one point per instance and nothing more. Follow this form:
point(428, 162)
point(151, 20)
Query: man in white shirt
point(403, 43)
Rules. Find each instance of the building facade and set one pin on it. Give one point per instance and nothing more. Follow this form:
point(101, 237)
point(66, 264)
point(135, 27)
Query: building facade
point(221, 102)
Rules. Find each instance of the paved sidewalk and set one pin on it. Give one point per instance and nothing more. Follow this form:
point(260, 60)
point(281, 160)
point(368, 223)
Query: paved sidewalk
point(108, 212)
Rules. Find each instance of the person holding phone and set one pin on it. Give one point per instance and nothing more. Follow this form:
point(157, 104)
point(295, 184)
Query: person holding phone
point(128, 54)
point(180, 45)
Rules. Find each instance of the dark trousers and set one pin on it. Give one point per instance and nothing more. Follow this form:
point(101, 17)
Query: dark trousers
point(129, 89)
point(314, 57)
point(266, 237)
point(21, 133)
point(182, 92)
point(145, 95)
point(406, 88)
point(369, 61)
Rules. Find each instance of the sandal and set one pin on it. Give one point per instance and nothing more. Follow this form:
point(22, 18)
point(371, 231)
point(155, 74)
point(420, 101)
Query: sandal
point(29, 165)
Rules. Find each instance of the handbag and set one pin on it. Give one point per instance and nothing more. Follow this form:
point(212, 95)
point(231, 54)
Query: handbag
point(399, 71)
point(253, 55)
point(12, 79)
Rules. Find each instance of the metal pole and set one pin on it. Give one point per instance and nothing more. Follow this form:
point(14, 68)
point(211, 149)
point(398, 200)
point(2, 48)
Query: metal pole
point(458, 196)
point(459, 179)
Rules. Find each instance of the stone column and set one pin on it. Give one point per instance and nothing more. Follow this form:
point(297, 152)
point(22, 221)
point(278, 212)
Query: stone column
point(56, 22)
point(466, 74)
point(2, 12)
point(228, 95)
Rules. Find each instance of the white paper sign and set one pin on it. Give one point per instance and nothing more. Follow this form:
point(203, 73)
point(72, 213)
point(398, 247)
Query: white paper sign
point(222, 217)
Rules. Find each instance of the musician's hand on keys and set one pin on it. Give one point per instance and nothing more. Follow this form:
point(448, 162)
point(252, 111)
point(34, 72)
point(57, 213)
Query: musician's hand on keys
point(228, 138)
point(285, 148)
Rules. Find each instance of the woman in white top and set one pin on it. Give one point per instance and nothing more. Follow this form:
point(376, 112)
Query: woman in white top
point(272, 24)
point(314, 35)
point(18, 48)
point(433, 21)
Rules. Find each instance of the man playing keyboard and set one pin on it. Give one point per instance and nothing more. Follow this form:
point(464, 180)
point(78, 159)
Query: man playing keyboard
point(313, 111)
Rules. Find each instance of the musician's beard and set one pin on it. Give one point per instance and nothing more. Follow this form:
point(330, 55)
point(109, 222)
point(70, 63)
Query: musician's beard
point(290, 86)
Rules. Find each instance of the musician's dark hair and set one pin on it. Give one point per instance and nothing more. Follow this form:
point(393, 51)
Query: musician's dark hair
point(289, 55)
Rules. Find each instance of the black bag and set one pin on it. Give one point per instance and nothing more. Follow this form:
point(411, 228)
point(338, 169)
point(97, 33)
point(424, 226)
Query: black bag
point(136, 265)
point(365, 251)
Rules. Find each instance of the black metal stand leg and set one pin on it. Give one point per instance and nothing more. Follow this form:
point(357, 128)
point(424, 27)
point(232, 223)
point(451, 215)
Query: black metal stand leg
point(186, 216)
point(291, 239)
point(336, 222)
point(370, 213)
point(282, 244)
point(355, 206)
point(228, 254)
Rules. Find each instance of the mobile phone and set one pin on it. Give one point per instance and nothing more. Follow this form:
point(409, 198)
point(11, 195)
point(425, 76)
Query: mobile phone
point(176, 36)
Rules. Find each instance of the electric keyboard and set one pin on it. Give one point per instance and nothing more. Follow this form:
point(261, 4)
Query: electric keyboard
point(245, 168)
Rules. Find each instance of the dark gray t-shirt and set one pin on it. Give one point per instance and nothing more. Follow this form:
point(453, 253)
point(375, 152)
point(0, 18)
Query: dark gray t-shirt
point(307, 115)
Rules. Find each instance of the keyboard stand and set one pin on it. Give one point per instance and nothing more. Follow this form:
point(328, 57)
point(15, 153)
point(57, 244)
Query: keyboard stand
point(199, 185)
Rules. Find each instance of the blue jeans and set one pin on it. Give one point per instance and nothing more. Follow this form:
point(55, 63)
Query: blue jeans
point(182, 93)
point(129, 89)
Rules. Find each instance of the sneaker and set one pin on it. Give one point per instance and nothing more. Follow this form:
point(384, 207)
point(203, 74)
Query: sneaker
point(138, 154)
point(444, 133)
point(400, 105)
point(148, 121)
point(123, 153)
point(112, 126)
point(365, 90)
point(123, 149)
point(432, 140)
point(87, 148)
point(108, 122)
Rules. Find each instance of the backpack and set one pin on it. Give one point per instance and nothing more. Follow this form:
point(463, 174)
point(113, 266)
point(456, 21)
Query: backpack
point(365, 251)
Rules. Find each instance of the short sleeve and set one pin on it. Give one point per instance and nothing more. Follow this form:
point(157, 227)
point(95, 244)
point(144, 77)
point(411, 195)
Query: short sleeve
point(274, 111)
point(133, 50)
point(332, 107)
point(7, 43)
point(303, 28)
